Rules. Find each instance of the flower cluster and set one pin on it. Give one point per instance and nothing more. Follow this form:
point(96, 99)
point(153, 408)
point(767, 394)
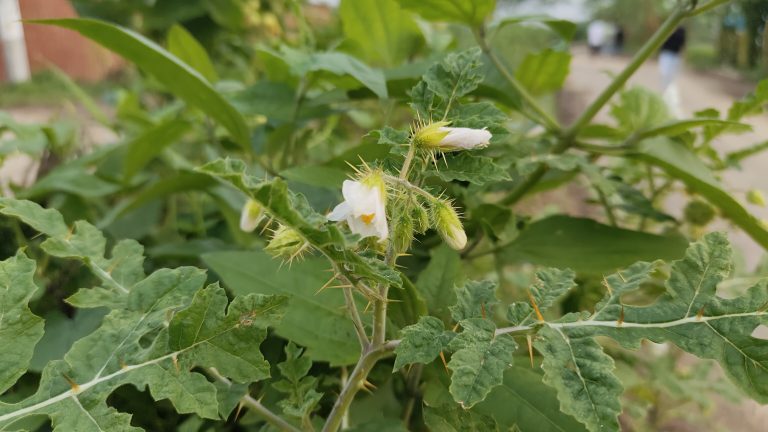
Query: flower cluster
point(364, 208)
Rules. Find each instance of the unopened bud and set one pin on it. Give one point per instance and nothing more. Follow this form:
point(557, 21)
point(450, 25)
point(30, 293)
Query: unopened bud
point(699, 213)
point(756, 197)
point(251, 215)
point(441, 137)
point(402, 234)
point(286, 243)
point(448, 225)
point(420, 219)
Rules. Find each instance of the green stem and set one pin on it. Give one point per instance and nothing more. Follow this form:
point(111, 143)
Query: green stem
point(530, 102)
point(257, 407)
point(650, 47)
point(567, 139)
point(356, 381)
point(607, 206)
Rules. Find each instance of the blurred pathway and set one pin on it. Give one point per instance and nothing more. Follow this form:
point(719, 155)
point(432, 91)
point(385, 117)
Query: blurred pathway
point(589, 75)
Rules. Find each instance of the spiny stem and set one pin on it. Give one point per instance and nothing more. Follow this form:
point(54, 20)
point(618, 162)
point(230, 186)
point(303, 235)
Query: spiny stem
point(355, 316)
point(256, 406)
point(367, 361)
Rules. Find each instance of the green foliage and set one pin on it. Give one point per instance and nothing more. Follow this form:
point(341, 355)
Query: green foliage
point(302, 398)
point(136, 343)
point(472, 12)
point(178, 77)
point(544, 72)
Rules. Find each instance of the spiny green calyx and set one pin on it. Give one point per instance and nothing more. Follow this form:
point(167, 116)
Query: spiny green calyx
point(446, 222)
point(287, 244)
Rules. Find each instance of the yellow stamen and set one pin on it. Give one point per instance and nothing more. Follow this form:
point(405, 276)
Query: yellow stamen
point(367, 218)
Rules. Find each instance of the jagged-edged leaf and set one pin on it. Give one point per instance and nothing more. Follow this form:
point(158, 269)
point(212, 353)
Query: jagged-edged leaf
point(118, 272)
point(478, 170)
point(583, 376)
point(478, 361)
point(474, 299)
point(226, 339)
point(640, 109)
point(457, 75)
point(317, 321)
point(132, 344)
point(20, 329)
point(292, 210)
point(422, 342)
point(550, 285)
point(300, 389)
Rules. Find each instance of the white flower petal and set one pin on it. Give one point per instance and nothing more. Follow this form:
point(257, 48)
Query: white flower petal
point(358, 226)
point(340, 212)
point(465, 138)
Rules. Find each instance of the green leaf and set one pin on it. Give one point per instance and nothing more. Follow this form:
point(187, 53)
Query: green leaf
point(227, 341)
point(437, 281)
point(317, 321)
point(474, 299)
point(20, 329)
point(639, 109)
point(588, 246)
point(335, 63)
point(522, 400)
point(478, 362)
point(302, 396)
point(544, 72)
point(565, 29)
point(681, 163)
point(681, 126)
point(178, 77)
point(379, 31)
point(582, 375)
point(550, 285)
point(421, 342)
point(187, 49)
point(470, 12)
point(456, 75)
point(145, 147)
point(455, 419)
point(463, 166)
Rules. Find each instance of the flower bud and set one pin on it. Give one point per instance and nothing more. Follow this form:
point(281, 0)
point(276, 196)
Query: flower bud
point(402, 234)
point(756, 197)
point(448, 225)
point(251, 215)
point(698, 213)
point(420, 219)
point(286, 243)
point(441, 137)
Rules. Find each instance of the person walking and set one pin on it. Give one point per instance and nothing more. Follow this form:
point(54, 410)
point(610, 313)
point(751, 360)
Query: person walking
point(670, 62)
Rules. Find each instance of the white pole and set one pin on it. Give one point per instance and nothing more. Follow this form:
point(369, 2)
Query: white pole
point(12, 38)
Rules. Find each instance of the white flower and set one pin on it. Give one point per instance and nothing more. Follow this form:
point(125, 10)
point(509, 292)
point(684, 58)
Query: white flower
point(251, 215)
point(460, 138)
point(363, 209)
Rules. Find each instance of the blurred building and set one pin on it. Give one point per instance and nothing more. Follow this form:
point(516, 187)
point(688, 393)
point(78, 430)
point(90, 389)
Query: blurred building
point(64, 49)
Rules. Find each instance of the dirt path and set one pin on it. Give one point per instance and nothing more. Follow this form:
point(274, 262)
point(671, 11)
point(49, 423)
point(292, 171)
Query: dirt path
point(589, 75)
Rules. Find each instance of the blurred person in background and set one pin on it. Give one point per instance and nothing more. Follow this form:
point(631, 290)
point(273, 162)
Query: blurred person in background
point(596, 36)
point(669, 67)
